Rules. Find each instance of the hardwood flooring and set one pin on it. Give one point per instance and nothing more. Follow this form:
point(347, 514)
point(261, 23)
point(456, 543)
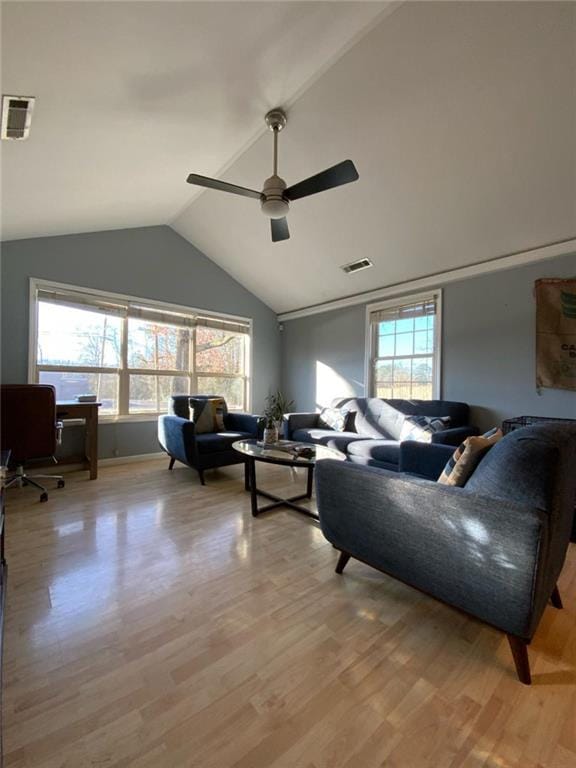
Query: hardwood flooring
point(153, 623)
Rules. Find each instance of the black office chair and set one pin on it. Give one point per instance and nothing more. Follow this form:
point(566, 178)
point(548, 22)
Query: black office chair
point(29, 430)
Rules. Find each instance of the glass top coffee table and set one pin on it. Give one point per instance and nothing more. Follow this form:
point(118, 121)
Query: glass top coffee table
point(289, 454)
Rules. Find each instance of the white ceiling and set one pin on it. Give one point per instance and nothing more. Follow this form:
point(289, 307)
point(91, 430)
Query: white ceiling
point(131, 97)
point(461, 119)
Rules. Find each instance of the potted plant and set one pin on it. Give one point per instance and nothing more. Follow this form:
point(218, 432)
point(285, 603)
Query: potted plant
point(276, 406)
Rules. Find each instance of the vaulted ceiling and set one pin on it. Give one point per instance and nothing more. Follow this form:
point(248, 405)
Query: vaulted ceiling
point(460, 117)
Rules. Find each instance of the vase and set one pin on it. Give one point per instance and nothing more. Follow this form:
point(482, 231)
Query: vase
point(270, 435)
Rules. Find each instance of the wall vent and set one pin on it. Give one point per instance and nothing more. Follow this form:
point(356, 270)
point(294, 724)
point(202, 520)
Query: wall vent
point(16, 117)
point(356, 266)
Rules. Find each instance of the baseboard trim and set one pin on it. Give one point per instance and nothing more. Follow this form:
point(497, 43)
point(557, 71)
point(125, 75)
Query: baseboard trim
point(60, 469)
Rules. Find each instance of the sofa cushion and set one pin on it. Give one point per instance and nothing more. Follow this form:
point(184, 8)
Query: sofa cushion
point(210, 442)
point(385, 451)
point(421, 428)
point(339, 441)
point(366, 417)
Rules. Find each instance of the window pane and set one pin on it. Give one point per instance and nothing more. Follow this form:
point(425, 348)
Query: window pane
point(423, 342)
point(421, 323)
point(71, 336)
point(69, 385)
point(404, 344)
point(386, 346)
point(219, 351)
point(157, 347)
point(151, 394)
point(405, 325)
point(387, 326)
point(384, 369)
point(231, 389)
point(384, 389)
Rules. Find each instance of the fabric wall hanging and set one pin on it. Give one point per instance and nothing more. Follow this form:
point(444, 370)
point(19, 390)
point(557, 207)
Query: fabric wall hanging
point(556, 333)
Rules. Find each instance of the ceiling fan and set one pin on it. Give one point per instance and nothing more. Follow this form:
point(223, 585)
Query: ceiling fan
point(275, 197)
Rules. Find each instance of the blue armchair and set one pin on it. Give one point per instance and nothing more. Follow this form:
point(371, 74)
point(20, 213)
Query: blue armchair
point(493, 549)
point(177, 436)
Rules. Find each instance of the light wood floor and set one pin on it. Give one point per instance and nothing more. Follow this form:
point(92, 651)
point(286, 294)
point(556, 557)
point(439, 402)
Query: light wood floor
point(152, 623)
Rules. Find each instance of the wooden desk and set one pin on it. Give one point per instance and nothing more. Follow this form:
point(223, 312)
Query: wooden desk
point(67, 410)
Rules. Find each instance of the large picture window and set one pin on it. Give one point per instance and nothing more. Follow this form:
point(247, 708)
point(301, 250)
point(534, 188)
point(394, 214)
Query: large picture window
point(134, 354)
point(404, 348)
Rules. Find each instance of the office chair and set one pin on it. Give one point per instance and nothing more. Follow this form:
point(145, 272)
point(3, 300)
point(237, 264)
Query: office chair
point(29, 430)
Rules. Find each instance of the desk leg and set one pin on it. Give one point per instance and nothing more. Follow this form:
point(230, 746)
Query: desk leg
point(92, 444)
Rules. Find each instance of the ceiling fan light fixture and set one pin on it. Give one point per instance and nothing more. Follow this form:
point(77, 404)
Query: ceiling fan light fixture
point(274, 204)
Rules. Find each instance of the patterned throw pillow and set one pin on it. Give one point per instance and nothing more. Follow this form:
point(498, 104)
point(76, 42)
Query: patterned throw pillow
point(333, 418)
point(466, 457)
point(208, 414)
point(421, 428)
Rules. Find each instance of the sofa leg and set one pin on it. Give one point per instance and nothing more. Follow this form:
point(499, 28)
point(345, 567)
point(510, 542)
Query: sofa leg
point(519, 650)
point(555, 598)
point(342, 560)
point(172, 462)
point(201, 476)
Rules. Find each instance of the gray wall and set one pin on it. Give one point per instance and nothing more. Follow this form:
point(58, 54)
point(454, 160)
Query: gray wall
point(149, 263)
point(487, 348)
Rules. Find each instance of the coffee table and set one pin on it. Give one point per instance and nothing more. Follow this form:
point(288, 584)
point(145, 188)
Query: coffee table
point(278, 453)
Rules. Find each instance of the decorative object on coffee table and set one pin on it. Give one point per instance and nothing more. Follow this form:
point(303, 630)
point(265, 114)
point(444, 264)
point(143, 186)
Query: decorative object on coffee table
point(289, 454)
point(276, 406)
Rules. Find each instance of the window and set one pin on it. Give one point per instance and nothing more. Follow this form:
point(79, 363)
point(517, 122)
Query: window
point(404, 344)
point(134, 354)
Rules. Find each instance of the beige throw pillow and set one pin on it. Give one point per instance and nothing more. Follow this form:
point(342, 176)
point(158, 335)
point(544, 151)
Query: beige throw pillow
point(465, 458)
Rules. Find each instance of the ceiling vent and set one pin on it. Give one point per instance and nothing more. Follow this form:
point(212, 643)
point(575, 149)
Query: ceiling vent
point(16, 117)
point(356, 266)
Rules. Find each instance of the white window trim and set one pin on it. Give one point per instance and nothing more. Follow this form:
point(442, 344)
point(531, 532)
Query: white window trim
point(36, 284)
point(369, 341)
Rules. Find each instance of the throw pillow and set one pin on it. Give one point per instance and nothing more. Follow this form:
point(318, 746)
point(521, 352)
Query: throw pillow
point(208, 414)
point(466, 457)
point(333, 418)
point(421, 428)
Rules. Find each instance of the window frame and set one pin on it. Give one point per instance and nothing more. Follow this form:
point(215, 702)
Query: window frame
point(123, 371)
point(371, 340)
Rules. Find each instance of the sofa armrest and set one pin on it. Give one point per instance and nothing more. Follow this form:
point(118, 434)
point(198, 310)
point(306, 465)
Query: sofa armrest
point(454, 436)
point(294, 421)
point(242, 422)
point(177, 437)
point(481, 555)
point(424, 459)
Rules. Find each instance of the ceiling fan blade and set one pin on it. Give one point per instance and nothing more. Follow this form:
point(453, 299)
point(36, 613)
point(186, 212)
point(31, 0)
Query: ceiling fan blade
point(343, 173)
point(279, 229)
point(223, 186)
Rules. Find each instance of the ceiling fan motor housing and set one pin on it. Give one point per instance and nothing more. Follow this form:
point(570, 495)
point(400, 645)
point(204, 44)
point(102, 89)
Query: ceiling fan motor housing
point(274, 204)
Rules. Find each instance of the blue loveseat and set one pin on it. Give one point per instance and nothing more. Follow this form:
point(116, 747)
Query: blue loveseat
point(374, 427)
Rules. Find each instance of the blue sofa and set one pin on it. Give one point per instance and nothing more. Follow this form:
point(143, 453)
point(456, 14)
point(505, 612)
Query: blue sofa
point(493, 549)
point(375, 424)
point(177, 436)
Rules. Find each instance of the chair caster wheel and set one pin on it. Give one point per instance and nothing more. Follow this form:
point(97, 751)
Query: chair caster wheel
point(44, 496)
point(61, 484)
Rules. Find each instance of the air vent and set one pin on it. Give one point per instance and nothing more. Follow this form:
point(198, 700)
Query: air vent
point(16, 117)
point(356, 266)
